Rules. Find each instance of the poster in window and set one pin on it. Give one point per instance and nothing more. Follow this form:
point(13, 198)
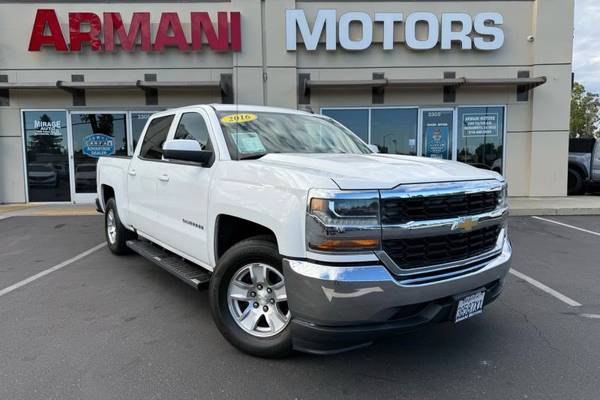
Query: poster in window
point(437, 141)
point(480, 125)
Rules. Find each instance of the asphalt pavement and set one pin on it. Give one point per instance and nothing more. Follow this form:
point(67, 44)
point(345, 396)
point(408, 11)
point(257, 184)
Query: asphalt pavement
point(107, 327)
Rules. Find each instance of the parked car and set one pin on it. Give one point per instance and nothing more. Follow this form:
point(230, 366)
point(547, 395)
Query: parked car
point(85, 176)
point(308, 239)
point(42, 175)
point(584, 165)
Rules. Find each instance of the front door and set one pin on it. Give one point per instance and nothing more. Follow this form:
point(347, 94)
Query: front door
point(93, 135)
point(182, 193)
point(46, 155)
point(437, 133)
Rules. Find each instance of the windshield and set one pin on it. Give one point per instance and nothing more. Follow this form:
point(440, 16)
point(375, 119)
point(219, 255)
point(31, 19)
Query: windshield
point(254, 134)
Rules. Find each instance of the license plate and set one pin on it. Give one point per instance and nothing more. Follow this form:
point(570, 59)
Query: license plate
point(469, 306)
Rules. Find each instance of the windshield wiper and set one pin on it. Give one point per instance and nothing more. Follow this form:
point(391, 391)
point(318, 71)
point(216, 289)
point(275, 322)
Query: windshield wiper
point(253, 156)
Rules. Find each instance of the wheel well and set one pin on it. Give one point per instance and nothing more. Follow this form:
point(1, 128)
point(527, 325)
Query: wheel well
point(230, 230)
point(107, 193)
point(578, 168)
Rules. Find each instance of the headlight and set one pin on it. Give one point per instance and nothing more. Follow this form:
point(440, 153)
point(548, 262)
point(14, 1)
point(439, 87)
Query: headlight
point(503, 197)
point(343, 221)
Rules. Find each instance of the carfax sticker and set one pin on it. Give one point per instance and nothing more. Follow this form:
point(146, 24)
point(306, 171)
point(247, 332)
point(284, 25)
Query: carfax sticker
point(238, 118)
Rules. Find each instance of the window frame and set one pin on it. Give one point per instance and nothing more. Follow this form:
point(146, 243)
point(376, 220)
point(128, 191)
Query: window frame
point(420, 109)
point(370, 119)
point(209, 143)
point(143, 138)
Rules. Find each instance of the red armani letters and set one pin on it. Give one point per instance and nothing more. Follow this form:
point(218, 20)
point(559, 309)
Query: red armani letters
point(86, 28)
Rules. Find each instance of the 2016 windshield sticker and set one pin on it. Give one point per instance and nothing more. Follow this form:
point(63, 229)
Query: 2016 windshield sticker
point(238, 118)
point(248, 142)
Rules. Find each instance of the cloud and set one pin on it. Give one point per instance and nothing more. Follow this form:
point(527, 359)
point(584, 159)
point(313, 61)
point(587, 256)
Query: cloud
point(586, 52)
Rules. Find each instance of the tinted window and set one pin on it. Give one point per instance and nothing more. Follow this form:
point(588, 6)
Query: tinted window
point(138, 122)
point(46, 148)
point(192, 127)
point(394, 130)
point(357, 120)
point(155, 137)
point(481, 136)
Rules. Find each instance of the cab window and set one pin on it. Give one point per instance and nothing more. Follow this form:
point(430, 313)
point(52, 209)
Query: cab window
point(193, 127)
point(155, 137)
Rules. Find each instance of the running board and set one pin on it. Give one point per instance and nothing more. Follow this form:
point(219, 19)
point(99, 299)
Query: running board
point(189, 273)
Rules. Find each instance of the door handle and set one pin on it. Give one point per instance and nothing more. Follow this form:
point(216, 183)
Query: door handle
point(164, 178)
point(131, 172)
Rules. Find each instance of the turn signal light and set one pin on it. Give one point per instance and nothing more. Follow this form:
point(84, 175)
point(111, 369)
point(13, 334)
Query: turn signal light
point(346, 244)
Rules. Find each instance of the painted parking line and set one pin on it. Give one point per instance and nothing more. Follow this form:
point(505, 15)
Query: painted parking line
point(50, 270)
point(568, 226)
point(545, 288)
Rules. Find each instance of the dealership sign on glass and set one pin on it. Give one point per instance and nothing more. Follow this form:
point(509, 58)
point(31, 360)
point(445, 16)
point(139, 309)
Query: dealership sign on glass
point(101, 33)
point(482, 31)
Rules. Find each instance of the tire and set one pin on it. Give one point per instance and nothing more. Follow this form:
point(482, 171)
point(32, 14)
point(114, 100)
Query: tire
point(575, 184)
point(115, 233)
point(239, 266)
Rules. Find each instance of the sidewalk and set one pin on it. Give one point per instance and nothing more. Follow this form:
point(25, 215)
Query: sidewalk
point(46, 210)
point(572, 205)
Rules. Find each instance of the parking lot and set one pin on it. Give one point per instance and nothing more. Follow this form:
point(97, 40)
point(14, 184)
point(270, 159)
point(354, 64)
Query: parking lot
point(97, 326)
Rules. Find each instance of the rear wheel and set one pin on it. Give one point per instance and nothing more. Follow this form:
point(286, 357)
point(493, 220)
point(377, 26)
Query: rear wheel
point(116, 234)
point(575, 183)
point(249, 300)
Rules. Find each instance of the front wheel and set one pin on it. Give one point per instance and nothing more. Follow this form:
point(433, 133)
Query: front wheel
point(249, 301)
point(116, 234)
point(575, 182)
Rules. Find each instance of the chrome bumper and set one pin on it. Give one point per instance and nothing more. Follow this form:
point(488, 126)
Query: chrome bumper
point(353, 295)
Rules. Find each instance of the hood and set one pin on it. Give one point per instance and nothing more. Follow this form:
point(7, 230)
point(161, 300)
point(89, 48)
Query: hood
point(378, 171)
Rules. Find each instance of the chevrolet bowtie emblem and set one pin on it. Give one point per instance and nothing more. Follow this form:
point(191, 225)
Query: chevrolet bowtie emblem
point(465, 224)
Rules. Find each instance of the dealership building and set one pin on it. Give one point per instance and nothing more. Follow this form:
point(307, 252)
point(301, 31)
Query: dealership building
point(482, 82)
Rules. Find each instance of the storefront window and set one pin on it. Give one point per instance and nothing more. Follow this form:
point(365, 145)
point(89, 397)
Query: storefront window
point(47, 155)
point(394, 130)
point(481, 136)
point(138, 122)
point(94, 136)
point(357, 120)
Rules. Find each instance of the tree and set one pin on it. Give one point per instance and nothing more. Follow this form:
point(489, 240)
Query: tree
point(585, 112)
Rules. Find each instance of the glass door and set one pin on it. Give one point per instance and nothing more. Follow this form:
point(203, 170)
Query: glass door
point(437, 133)
point(137, 122)
point(94, 135)
point(46, 155)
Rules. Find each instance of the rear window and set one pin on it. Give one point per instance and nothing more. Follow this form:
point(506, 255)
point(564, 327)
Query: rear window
point(155, 137)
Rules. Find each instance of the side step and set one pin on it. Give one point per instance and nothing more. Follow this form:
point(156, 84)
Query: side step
point(191, 274)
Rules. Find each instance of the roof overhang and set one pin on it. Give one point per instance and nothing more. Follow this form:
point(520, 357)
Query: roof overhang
point(529, 83)
point(70, 86)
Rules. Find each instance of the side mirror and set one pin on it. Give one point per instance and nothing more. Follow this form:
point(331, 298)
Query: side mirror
point(374, 148)
point(186, 150)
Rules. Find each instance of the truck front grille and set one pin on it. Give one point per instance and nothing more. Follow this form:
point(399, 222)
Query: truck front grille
point(403, 210)
point(410, 253)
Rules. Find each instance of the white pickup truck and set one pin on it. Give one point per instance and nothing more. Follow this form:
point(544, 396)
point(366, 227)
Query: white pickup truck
point(308, 238)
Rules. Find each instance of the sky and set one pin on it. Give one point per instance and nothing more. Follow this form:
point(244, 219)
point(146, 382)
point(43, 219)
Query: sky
point(586, 53)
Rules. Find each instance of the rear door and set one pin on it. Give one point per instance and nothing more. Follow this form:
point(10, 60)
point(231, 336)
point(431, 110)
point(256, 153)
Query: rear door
point(144, 174)
point(184, 191)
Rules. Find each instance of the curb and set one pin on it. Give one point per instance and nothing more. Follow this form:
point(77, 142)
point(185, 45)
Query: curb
point(522, 212)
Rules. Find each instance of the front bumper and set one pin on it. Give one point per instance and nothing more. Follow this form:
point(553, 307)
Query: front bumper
point(340, 307)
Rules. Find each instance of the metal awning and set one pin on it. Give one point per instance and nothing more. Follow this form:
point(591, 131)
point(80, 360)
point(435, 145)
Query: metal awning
point(69, 86)
point(529, 83)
